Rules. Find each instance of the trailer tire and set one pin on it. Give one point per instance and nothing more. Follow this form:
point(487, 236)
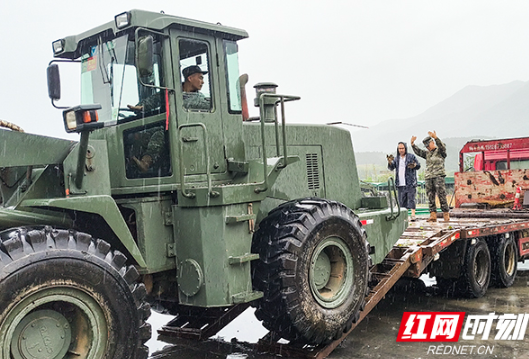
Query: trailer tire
point(475, 279)
point(313, 270)
point(79, 293)
point(504, 256)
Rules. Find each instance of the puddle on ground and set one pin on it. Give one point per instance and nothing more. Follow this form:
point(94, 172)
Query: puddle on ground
point(375, 336)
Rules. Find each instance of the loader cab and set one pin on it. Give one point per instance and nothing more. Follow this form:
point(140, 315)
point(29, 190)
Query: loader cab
point(156, 131)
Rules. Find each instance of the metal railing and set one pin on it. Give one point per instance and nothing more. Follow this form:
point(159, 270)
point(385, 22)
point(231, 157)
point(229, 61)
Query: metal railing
point(393, 195)
point(269, 99)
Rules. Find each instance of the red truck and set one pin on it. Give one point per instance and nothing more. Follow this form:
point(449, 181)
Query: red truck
point(492, 172)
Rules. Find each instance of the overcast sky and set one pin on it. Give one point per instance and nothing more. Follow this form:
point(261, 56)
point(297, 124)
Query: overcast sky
point(360, 62)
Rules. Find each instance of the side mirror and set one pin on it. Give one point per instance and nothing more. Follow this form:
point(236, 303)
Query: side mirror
point(144, 55)
point(54, 82)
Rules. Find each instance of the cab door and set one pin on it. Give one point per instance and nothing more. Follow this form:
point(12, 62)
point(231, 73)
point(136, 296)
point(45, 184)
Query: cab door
point(200, 131)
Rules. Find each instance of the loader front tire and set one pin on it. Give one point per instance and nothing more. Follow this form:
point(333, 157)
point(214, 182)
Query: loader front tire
point(64, 294)
point(313, 270)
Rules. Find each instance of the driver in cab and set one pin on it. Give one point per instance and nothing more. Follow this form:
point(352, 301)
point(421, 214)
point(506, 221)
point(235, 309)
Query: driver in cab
point(193, 98)
point(193, 82)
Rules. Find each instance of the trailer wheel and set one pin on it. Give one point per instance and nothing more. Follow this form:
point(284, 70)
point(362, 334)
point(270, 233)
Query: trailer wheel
point(64, 294)
point(313, 270)
point(476, 270)
point(504, 261)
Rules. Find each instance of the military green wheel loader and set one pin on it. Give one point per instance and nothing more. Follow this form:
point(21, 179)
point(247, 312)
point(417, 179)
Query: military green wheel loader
point(170, 200)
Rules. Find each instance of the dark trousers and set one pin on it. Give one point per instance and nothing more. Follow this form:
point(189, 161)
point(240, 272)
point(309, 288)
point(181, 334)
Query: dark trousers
point(407, 196)
point(436, 186)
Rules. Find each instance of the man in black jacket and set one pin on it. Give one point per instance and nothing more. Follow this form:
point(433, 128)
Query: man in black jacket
point(406, 166)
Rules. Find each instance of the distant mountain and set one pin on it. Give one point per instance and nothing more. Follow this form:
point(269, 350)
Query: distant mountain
point(474, 112)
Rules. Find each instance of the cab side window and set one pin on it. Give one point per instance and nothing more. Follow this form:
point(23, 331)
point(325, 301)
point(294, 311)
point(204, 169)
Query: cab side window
point(195, 75)
point(232, 77)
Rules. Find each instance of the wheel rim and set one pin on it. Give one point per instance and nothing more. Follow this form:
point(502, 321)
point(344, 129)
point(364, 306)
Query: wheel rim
point(331, 274)
point(42, 325)
point(480, 268)
point(510, 259)
point(42, 333)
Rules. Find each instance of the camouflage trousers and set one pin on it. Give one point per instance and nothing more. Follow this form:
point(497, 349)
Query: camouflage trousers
point(436, 186)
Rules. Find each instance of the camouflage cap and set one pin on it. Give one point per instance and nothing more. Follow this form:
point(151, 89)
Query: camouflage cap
point(193, 69)
point(426, 141)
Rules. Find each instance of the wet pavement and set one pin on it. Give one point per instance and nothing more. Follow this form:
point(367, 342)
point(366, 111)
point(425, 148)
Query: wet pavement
point(375, 336)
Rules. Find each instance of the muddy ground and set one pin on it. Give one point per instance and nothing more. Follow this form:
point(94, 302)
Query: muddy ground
point(375, 337)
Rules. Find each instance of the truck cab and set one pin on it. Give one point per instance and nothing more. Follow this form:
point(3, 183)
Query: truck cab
point(492, 173)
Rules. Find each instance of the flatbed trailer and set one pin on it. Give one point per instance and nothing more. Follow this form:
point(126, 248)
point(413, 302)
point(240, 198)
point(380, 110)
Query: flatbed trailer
point(441, 249)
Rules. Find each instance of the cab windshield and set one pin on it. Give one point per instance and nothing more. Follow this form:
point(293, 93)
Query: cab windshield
point(109, 78)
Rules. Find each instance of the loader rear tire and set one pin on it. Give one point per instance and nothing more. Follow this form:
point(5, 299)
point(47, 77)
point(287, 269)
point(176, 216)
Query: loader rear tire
point(313, 270)
point(504, 255)
point(64, 294)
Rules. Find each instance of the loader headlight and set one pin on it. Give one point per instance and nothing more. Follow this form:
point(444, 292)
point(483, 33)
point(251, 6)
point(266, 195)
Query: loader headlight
point(122, 20)
point(58, 46)
point(70, 121)
point(81, 118)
